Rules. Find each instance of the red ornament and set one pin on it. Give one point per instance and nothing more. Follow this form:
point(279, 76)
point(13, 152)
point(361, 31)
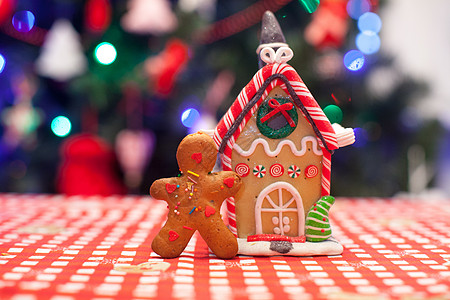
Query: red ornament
point(329, 25)
point(164, 68)
point(88, 167)
point(98, 15)
point(6, 9)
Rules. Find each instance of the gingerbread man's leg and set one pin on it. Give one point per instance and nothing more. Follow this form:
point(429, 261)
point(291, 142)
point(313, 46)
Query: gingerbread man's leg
point(171, 240)
point(219, 239)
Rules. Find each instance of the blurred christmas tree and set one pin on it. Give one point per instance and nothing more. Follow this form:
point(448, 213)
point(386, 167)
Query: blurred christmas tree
point(140, 75)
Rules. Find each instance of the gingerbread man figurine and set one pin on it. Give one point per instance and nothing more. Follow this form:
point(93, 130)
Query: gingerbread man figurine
point(194, 200)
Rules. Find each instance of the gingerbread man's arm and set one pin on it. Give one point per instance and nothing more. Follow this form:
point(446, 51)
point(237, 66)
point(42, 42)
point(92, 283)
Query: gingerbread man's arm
point(161, 188)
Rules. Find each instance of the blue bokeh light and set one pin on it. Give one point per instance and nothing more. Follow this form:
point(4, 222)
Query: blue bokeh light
point(61, 126)
point(355, 8)
point(189, 117)
point(369, 22)
point(368, 43)
point(354, 60)
point(23, 21)
point(361, 137)
point(2, 63)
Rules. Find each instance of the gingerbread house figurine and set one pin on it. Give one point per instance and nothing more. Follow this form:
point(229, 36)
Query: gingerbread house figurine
point(277, 138)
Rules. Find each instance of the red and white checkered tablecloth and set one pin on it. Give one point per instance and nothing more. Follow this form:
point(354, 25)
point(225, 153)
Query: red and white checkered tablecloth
point(64, 248)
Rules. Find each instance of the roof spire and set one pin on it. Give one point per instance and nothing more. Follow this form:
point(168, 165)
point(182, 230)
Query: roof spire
point(271, 35)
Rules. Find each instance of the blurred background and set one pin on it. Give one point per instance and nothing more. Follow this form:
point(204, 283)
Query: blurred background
point(95, 95)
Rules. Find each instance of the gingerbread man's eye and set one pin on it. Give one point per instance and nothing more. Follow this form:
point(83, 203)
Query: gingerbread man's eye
point(197, 157)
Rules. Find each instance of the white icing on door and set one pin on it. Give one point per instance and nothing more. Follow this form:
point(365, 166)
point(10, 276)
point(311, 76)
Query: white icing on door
point(280, 206)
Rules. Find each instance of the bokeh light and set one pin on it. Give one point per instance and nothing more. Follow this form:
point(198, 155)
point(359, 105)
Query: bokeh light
point(105, 53)
point(61, 126)
point(189, 117)
point(310, 5)
point(367, 42)
point(23, 21)
point(2, 63)
point(354, 60)
point(370, 22)
point(333, 113)
point(355, 8)
point(361, 137)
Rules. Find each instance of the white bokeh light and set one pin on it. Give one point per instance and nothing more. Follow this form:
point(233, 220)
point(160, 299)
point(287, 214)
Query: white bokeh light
point(105, 53)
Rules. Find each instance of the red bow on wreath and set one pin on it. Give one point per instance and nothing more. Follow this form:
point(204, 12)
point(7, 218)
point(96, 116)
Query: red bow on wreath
point(277, 107)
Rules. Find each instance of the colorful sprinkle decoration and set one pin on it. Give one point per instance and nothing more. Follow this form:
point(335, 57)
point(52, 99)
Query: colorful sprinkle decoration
point(294, 171)
point(193, 173)
point(259, 171)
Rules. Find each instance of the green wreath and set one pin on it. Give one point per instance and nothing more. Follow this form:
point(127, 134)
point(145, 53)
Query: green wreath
point(277, 118)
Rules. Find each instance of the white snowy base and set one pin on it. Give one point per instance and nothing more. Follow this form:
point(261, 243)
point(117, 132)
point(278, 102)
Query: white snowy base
point(261, 248)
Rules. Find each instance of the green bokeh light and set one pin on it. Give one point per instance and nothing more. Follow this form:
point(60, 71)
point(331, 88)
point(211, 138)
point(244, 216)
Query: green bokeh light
point(61, 126)
point(310, 5)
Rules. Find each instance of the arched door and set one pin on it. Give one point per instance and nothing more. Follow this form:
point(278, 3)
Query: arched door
point(279, 210)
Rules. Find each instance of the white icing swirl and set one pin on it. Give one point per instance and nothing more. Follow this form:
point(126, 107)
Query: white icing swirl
point(282, 55)
point(270, 153)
